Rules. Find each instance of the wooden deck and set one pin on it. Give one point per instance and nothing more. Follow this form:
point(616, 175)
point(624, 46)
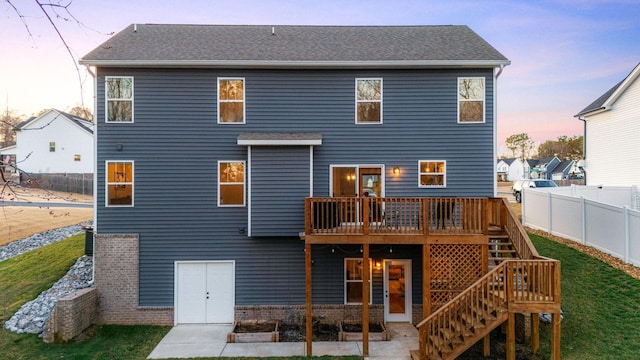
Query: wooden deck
point(474, 235)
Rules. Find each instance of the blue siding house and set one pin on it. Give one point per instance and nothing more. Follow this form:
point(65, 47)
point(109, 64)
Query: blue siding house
point(233, 160)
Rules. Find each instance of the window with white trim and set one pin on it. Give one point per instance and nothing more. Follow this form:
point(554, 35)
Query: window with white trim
point(353, 276)
point(119, 184)
point(231, 183)
point(369, 101)
point(52, 146)
point(231, 103)
point(471, 99)
point(432, 173)
point(119, 98)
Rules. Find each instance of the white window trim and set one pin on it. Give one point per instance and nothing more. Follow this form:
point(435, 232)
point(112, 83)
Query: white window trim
point(107, 183)
point(380, 101)
point(106, 100)
point(484, 99)
point(244, 101)
point(444, 174)
point(345, 281)
point(244, 183)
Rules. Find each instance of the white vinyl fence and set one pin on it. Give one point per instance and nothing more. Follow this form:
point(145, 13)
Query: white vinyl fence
point(603, 218)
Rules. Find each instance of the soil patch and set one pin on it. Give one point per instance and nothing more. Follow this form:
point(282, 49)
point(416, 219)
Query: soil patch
point(296, 333)
point(258, 327)
point(499, 349)
point(358, 328)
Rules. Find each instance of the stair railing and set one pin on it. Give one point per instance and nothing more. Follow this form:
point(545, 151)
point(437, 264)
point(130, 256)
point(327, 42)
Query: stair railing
point(511, 286)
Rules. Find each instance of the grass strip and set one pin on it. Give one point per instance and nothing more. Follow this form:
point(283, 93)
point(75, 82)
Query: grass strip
point(601, 306)
point(24, 277)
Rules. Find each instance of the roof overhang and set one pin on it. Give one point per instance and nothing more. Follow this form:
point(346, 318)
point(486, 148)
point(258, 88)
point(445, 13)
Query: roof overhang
point(269, 64)
point(279, 139)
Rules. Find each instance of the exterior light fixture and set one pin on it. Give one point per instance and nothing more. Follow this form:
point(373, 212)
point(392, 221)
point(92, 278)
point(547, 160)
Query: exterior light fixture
point(396, 171)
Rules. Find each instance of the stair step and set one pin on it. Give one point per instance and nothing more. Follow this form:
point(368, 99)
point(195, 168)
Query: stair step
point(451, 336)
point(474, 323)
point(443, 347)
point(501, 251)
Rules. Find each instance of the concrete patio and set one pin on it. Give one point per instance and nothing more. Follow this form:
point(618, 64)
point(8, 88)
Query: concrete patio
point(193, 341)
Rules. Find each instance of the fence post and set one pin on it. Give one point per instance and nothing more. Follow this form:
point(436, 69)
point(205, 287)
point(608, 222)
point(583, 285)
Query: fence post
point(626, 235)
point(583, 218)
point(549, 200)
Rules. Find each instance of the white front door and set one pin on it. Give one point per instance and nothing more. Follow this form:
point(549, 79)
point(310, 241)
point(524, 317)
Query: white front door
point(397, 290)
point(204, 292)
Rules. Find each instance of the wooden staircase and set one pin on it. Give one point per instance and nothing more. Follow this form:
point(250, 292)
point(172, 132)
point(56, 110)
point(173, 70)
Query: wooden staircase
point(500, 247)
point(518, 280)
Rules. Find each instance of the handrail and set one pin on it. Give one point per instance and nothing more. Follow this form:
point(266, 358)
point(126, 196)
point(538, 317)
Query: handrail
point(514, 229)
point(512, 282)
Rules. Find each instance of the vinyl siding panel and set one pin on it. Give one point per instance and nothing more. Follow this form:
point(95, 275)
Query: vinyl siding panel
point(280, 182)
point(176, 142)
point(611, 142)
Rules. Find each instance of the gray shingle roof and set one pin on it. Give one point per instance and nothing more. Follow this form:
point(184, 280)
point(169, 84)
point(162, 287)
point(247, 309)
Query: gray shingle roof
point(599, 102)
point(295, 46)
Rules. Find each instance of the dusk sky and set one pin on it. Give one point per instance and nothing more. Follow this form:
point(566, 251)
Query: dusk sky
point(564, 53)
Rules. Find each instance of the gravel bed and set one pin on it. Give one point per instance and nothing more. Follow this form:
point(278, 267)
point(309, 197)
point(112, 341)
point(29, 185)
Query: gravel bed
point(32, 316)
point(32, 242)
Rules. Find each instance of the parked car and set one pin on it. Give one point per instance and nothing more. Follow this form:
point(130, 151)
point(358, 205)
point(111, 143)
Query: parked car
point(533, 183)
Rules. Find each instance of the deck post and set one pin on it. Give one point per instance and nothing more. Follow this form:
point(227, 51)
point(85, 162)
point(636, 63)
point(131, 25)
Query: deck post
point(535, 333)
point(511, 336)
point(486, 345)
point(555, 337)
point(426, 280)
point(365, 300)
point(309, 304)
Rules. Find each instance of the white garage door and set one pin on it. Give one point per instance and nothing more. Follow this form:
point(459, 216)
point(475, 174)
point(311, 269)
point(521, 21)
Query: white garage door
point(204, 292)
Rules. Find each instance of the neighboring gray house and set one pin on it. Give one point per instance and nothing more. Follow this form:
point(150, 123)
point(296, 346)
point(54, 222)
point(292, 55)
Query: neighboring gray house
point(563, 170)
point(542, 168)
point(211, 137)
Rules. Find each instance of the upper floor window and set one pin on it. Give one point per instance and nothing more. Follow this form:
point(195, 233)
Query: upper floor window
point(52, 146)
point(231, 183)
point(119, 97)
point(432, 173)
point(471, 99)
point(231, 100)
point(119, 184)
point(368, 101)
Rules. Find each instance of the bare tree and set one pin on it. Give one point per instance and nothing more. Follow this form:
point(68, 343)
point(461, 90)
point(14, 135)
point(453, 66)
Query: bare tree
point(82, 112)
point(520, 145)
point(8, 122)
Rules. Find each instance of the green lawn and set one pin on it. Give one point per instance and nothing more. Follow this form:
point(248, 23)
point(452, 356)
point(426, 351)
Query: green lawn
point(601, 309)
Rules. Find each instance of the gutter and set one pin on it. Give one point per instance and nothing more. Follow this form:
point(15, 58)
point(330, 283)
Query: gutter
point(275, 64)
point(584, 144)
point(95, 175)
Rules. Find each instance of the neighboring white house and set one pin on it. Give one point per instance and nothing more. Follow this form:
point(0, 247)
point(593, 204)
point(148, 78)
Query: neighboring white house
point(612, 130)
point(54, 143)
point(510, 169)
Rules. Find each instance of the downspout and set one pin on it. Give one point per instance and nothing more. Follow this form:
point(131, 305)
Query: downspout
point(495, 131)
point(584, 145)
point(95, 175)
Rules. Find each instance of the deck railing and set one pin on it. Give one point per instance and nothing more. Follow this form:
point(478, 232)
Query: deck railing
point(408, 216)
point(504, 217)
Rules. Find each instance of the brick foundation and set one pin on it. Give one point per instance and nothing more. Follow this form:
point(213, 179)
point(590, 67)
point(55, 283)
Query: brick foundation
point(329, 314)
point(116, 280)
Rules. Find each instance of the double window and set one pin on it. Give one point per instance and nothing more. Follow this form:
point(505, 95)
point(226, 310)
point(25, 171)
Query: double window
point(369, 101)
point(353, 278)
point(471, 100)
point(231, 183)
point(432, 173)
point(119, 186)
point(119, 97)
point(231, 107)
